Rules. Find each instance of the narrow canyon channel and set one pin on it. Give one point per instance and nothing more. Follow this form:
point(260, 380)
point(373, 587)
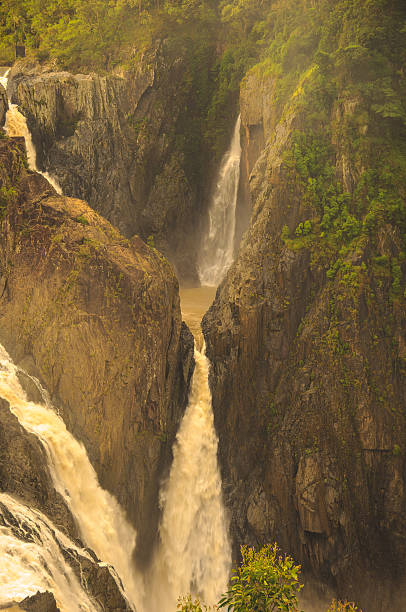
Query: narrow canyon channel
point(194, 551)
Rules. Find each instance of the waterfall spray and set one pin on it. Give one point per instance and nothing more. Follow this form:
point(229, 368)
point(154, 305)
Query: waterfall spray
point(195, 552)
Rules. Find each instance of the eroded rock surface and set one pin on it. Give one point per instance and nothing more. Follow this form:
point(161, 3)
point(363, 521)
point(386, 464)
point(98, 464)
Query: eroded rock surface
point(3, 105)
point(96, 317)
point(308, 382)
point(41, 602)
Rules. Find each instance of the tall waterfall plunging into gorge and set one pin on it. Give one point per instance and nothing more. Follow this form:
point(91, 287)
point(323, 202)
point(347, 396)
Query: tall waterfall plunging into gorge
point(195, 552)
point(16, 125)
point(218, 244)
point(101, 520)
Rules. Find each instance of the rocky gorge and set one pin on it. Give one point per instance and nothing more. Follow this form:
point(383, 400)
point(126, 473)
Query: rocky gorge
point(116, 141)
point(306, 336)
point(41, 313)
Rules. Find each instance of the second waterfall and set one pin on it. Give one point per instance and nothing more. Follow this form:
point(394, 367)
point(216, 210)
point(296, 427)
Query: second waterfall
point(217, 251)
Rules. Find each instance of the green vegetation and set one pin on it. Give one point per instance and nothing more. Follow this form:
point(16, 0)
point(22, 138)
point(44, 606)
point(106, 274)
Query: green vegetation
point(6, 196)
point(338, 67)
point(316, 52)
point(265, 581)
point(103, 36)
point(343, 606)
point(82, 219)
point(188, 604)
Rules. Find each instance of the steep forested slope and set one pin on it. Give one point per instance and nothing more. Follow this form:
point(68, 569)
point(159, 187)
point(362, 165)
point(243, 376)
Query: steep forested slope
point(307, 332)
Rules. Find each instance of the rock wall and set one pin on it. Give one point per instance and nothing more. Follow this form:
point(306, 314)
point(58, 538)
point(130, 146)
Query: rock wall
point(41, 602)
point(308, 382)
point(96, 317)
point(120, 143)
point(3, 106)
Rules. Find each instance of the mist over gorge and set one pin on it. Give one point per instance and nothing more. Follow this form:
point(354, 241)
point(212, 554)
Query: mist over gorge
point(255, 146)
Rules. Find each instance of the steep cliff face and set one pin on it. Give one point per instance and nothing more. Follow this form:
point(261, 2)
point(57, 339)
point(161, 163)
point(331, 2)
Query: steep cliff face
point(97, 318)
point(307, 337)
point(121, 143)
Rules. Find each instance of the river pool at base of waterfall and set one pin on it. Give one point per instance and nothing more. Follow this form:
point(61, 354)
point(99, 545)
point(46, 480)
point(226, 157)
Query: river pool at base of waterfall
point(194, 303)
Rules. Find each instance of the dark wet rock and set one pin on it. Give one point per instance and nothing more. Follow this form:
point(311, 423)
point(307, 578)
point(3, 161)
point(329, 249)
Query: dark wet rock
point(3, 105)
point(41, 602)
point(112, 141)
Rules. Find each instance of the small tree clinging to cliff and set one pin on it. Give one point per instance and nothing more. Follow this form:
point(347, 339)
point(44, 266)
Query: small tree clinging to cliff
point(343, 606)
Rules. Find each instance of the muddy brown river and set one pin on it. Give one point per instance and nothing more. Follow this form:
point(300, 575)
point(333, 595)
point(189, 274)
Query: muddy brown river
point(194, 302)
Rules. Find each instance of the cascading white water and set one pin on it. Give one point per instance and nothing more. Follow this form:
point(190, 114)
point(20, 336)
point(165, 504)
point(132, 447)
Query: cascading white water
point(101, 520)
point(31, 559)
point(195, 553)
point(218, 244)
point(16, 125)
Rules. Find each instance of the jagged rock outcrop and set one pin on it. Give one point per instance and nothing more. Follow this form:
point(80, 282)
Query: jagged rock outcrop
point(308, 378)
point(41, 602)
point(96, 317)
point(54, 559)
point(117, 142)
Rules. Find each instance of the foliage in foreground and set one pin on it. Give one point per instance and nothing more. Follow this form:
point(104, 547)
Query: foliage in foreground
point(265, 581)
point(343, 606)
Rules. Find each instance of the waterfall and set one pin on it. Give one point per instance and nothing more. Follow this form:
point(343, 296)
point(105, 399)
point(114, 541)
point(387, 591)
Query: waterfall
point(16, 125)
point(218, 244)
point(101, 520)
point(195, 553)
point(31, 559)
